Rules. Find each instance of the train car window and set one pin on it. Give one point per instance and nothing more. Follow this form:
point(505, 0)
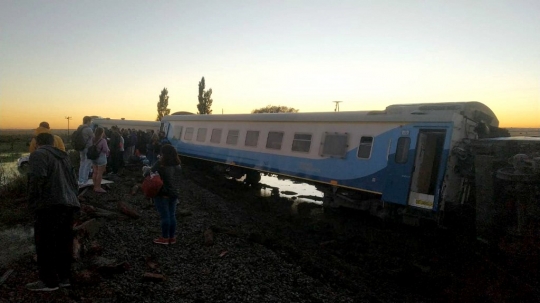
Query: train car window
point(189, 134)
point(301, 143)
point(364, 149)
point(335, 145)
point(232, 137)
point(216, 135)
point(177, 134)
point(252, 137)
point(274, 139)
point(201, 134)
point(402, 151)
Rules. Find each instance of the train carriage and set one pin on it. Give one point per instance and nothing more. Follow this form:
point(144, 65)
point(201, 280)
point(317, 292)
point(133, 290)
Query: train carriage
point(399, 158)
point(122, 123)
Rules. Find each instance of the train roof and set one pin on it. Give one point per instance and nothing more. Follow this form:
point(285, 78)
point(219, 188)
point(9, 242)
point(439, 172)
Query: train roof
point(425, 112)
point(119, 122)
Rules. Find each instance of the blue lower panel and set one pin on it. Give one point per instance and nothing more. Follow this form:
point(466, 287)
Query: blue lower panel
point(345, 172)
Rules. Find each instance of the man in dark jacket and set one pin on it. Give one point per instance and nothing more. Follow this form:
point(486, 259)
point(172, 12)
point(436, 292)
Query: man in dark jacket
point(116, 146)
point(52, 195)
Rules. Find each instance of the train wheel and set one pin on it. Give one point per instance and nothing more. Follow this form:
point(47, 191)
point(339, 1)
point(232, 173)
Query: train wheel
point(253, 177)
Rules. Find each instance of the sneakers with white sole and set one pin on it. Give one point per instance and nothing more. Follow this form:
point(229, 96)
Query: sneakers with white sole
point(40, 286)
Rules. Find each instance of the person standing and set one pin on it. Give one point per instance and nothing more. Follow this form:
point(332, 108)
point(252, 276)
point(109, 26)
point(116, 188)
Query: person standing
point(52, 197)
point(153, 149)
point(117, 148)
point(88, 135)
point(170, 171)
point(163, 139)
point(45, 128)
point(99, 165)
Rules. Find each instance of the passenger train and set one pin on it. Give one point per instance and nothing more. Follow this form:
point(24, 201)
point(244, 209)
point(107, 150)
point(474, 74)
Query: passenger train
point(397, 161)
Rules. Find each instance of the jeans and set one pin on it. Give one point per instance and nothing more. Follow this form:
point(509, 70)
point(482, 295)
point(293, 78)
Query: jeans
point(84, 168)
point(53, 233)
point(166, 208)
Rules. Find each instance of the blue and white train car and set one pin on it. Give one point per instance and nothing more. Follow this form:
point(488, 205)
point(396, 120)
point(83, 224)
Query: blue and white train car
point(396, 160)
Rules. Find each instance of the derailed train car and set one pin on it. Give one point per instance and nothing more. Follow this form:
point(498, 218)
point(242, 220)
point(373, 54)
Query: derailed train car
point(399, 162)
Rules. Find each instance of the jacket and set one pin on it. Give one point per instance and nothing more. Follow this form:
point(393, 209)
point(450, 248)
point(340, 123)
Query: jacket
point(51, 179)
point(88, 134)
point(58, 143)
point(171, 176)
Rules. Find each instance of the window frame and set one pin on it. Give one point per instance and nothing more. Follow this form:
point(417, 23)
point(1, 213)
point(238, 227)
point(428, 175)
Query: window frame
point(302, 140)
point(248, 137)
point(189, 131)
point(324, 151)
point(198, 139)
point(270, 145)
point(212, 136)
point(402, 153)
point(363, 144)
point(234, 136)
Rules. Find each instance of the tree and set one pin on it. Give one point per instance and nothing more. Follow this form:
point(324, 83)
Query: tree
point(205, 99)
point(162, 105)
point(274, 109)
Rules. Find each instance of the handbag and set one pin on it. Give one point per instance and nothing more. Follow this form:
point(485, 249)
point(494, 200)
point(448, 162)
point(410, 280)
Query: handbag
point(93, 152)
point(152, 185)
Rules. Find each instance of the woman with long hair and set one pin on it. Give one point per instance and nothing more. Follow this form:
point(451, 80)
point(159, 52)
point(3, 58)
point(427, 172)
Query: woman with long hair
point(100, 164)
point(170, 171)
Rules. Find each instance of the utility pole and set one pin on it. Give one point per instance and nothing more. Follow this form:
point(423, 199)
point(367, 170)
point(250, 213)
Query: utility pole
point(336, 109)
point(68, 118)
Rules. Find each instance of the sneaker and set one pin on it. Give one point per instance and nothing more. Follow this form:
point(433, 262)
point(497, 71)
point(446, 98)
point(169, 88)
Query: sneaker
point(64, 283)
point(172, 240)
point(161, 240)
point(40, 286)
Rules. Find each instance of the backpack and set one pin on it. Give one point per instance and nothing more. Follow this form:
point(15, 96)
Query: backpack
point(152, 185)
point(77, 140)
point(93, 152)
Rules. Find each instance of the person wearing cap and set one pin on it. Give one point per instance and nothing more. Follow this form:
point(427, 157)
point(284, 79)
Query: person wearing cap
point(45, 128)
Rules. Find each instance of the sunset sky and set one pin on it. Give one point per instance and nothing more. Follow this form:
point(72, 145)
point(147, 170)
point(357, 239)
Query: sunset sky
point(63, 59)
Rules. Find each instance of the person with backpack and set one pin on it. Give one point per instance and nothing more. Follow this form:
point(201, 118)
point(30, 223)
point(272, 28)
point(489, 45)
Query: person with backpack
point(52, 198)
point(81, 142)
point(45, 128)
point(100, 164)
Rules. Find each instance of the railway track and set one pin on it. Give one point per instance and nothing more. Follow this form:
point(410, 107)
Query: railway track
point(383, 259)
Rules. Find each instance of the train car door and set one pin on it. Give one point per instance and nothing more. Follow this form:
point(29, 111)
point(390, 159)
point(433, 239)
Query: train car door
point(413, 174)
point(400, 166)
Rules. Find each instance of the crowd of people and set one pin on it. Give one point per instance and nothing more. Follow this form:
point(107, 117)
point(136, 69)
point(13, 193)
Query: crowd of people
point(53, 189)
point(120, 146)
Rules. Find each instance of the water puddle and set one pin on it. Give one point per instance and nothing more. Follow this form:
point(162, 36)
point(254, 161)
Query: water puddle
point(293, 190)
point(8, 171)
